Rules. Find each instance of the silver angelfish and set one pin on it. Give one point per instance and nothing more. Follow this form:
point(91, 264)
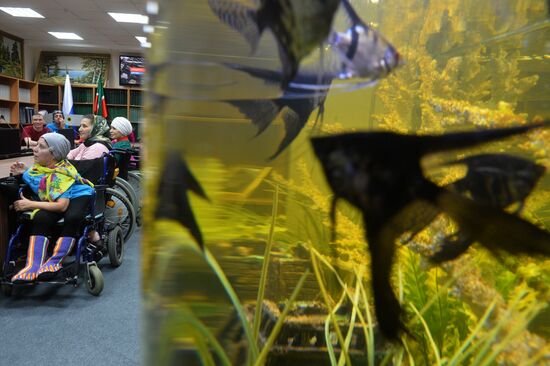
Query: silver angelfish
point(363, 51)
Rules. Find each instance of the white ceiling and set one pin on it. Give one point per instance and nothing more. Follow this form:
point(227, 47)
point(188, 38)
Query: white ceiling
point(87, 18)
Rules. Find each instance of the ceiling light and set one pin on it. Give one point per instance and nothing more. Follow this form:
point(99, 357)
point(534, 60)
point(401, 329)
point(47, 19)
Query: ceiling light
point(129, 18)
point(65, 35)
point(147, 28)
point(22, 12)
point(152, 7)
point(143, 42)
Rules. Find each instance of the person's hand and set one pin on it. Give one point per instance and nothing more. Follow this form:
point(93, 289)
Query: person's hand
point(23, 204)
point(18, 168)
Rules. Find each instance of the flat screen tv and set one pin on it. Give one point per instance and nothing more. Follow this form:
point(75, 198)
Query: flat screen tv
point(132, 69)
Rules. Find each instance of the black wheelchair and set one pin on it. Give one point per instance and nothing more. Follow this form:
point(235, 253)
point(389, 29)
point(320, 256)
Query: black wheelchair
point(82, 261)
point(128, 179)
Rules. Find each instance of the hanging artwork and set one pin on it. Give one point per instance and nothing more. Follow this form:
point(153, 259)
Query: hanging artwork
point(11, 55)
point(83, 68)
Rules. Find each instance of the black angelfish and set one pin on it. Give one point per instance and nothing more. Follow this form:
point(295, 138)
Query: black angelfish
point(499, 180)
point(173, 203)
point(294, 106)
point(299, 26)
point(380, 174)
point(364, 52)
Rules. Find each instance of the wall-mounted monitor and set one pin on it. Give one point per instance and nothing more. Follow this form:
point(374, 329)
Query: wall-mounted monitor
point(132, 69)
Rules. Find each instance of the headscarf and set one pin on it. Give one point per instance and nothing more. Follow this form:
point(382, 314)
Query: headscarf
point(99, 133)
point(59, 145)
point(57, 180)
point(123, 125)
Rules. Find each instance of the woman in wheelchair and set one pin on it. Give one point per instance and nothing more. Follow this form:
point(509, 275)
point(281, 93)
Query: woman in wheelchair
point(94, 133)
point(63, 193)
point(121, 128)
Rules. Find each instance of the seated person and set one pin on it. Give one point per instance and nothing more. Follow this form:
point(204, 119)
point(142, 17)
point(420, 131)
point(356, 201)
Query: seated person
point(58, 122)
point(121, 128)
point(94, 133)
point(32, 133)
point(63, 193)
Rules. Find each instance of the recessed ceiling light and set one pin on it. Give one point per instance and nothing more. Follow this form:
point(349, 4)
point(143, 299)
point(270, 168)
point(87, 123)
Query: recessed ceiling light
point(152, 7)
point(65, 35)
point(143, 42)
point(147, 28)
point(129, 18)
point(21, 12)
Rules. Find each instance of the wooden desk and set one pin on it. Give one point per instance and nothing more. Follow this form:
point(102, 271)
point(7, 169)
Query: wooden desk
point(6, 163)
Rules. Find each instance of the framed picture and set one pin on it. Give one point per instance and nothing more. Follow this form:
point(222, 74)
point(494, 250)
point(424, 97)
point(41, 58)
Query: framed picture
point(11, 55)
point(83, 68)
point(131, 69)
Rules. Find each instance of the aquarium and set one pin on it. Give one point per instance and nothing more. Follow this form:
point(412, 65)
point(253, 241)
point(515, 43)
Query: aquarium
point(428, 120)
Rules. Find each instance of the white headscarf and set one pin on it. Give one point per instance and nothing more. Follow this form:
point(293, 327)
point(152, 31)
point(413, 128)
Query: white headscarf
point(123, 125)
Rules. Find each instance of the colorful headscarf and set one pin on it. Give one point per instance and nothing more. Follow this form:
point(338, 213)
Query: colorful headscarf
point(57, 180)
point(99, 133)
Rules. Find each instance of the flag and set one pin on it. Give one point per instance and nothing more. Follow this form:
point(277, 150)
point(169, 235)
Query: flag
point(67, 97)
point(100, 106)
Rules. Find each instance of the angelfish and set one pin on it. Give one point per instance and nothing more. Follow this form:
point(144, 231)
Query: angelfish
point(294, 106)
point(299, 26)
point(380, 174)
point(363, 51)
point(499, 180)
point(173, 203)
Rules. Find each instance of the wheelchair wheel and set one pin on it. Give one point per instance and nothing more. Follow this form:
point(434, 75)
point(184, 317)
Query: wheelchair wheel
point(134, 178)
point(115, 246)
point(94, 280)
point(124, 186)
point(119, 211)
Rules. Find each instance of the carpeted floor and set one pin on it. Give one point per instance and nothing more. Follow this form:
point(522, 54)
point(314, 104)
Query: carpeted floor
point(63, 325)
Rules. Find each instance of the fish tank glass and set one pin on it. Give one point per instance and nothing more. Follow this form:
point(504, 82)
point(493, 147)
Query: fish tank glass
point(437, 250)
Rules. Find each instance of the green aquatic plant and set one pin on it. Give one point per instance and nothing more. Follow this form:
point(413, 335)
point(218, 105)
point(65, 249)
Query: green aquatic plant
point(328, 303)
point(445, 62)
point(265, 266)
point(278, 325)
point(447, 319)
point(178, 321)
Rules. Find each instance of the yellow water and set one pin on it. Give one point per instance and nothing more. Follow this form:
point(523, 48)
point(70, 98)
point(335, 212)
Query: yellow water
point(468, 65)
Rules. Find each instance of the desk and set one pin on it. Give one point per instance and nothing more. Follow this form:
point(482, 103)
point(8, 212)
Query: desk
point(6, 163)
point(4, 230)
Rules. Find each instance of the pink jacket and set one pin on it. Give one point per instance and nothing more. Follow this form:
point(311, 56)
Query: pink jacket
point(86, 153)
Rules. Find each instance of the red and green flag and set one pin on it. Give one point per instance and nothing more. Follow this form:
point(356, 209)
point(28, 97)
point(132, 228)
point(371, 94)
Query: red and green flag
point(100, 105)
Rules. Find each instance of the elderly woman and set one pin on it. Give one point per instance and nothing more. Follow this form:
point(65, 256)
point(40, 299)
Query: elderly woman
point(95, 141)
point(121, 128)
point(62, 193)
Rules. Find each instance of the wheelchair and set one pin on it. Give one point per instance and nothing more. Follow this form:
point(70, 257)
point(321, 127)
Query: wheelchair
point(82, 261)
point(120, 209)
point(128, 180)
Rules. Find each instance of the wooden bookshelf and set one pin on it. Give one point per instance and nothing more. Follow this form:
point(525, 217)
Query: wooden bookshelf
point(15, 95)
point(122, 102)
